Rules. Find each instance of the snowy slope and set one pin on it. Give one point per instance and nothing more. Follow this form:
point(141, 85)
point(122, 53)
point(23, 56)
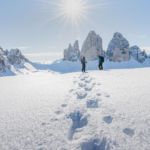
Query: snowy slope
point(106, 110)
point(26, 68)
point(68, 66)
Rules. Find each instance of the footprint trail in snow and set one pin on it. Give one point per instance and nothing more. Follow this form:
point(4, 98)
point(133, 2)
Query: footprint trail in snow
point(84, 100)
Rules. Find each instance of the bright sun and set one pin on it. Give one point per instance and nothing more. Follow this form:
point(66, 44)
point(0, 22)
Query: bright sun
point(73, 11)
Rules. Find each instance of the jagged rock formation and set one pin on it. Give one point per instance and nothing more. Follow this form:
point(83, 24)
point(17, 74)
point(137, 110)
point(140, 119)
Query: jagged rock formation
point(3, 60)
point(118, 48)
point(137, 53)
point(15, 57)
point(2, 63)
point(72, 53)
point(11, 58)
point(92, 46)
point(2, 52)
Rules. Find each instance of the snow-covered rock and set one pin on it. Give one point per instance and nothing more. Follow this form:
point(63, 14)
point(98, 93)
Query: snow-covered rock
point(72, 53)
point(2, 52)
point(15, 57)
point(137, 53)
point(92, 46)
point(3, 60)
point(2, 65)
point(12, 61)
point(118, 48)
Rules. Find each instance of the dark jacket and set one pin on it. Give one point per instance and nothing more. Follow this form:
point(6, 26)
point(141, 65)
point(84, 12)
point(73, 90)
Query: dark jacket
point(101, 59)
point(83, 60)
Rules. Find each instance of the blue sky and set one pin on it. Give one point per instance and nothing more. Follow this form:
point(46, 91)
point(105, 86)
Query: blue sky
point(28, 24)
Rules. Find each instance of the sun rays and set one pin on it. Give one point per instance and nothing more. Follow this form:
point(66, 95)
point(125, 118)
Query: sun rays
point(71, 12)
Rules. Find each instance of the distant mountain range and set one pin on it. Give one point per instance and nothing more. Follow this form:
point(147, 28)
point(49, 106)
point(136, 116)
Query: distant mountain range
point(118, 50)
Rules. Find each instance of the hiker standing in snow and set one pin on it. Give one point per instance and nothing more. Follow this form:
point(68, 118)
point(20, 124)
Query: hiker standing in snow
point(101, 61)
point(83, 62)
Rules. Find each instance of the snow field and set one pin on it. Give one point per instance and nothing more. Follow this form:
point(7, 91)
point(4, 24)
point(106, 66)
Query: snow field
point(103, 110)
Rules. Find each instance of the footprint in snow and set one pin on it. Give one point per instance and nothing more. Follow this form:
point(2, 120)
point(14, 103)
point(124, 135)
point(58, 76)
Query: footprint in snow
point(81, 84)
point(128, 131)
point(79, 120)
point(58, 112)
point(88, 88)
point(82, 78)
point(108, 119)
point(81, 94)
point(88, 80)
point(54, 119)
point(98, 94)
point(106, 95)
point(64, 105)
point(94, 84)
point(96, 144)
point(92, 103)
point(71, 90)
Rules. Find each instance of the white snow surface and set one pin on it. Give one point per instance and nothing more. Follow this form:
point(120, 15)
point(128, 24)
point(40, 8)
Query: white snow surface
point(98, 110)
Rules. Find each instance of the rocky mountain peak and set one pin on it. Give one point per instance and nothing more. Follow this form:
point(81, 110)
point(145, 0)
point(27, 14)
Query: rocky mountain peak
point(92, 46)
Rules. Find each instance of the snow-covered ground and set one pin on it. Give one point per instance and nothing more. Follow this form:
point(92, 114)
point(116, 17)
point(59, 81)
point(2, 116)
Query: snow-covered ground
point(99, 110)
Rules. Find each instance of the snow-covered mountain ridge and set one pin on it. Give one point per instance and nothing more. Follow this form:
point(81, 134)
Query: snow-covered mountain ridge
point(14, 62)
